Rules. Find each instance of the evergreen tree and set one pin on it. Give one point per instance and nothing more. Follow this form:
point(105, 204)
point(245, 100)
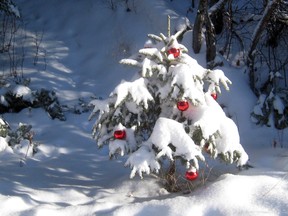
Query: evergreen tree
point(167, 110)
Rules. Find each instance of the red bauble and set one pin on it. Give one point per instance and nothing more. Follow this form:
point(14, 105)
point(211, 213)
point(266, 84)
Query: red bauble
point(175, 52)
point(214, 95)
point(120, 134)
point(182, 105)
point(191, 175)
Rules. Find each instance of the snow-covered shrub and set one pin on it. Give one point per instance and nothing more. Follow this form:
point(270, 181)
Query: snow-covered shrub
point(19, 141)
point(272, 105)
point(167, 111)
point(49, 101)
point(16, 97)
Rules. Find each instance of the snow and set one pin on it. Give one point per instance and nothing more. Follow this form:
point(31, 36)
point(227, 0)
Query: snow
point(278, 104)
point(3, 144)
point(137, 89)
point(71, 176)
point(22, 91)
point(167, 131)
point(142, 161)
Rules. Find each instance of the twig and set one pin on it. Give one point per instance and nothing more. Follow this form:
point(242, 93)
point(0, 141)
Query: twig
point(168, 26)
point(30, 138)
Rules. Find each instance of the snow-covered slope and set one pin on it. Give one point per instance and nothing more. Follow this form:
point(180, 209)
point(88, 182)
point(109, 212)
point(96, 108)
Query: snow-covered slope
point(79, 53)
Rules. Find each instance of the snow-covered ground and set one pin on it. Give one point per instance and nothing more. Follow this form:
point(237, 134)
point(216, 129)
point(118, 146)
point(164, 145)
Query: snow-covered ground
point(78, 57)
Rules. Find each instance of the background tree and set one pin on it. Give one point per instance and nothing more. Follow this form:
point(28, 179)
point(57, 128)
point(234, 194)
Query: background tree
point(197, 28)
point(207, 17)
point(251, 34)
point(262, 25)
point(267, 65)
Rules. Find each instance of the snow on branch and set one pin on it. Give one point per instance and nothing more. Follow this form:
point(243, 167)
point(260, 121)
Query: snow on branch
point(155, 37)
point(215, 77)
point(136, 89)
point(131, 62)
point(212, 119)
point(142, 161)
point(152, 53)
point(168, 132)
point(173, 43)
point(188, 82)
point(147, 65)
point(99, 105)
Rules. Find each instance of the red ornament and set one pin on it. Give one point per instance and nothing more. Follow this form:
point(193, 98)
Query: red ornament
point(214, 96)
point(191, 175)
point(175, 52)
point(120, 134)
point(182, 105)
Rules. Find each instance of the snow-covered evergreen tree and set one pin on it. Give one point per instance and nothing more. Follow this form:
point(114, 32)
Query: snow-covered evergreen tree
point(167, 110)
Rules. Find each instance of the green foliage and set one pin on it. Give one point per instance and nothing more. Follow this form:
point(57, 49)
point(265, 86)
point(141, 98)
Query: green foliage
point(14, 137)
point(49, 101)
point(229, 157)
point(207, 144)
point(4, 129)
point(22, 132)
point(33, 99)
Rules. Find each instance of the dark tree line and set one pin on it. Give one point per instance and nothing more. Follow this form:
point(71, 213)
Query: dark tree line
point(270, 28)
point(259, 28)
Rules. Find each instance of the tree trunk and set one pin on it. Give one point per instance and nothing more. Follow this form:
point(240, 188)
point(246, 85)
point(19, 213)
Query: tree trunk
point(197, 29)
point(203, 17)
point(255, 39)
point(171, 179)
point(216, 12)
point(192, 3)
point(210, 40)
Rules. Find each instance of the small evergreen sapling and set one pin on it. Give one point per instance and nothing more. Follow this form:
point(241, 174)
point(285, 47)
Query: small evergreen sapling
point(148, 110)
